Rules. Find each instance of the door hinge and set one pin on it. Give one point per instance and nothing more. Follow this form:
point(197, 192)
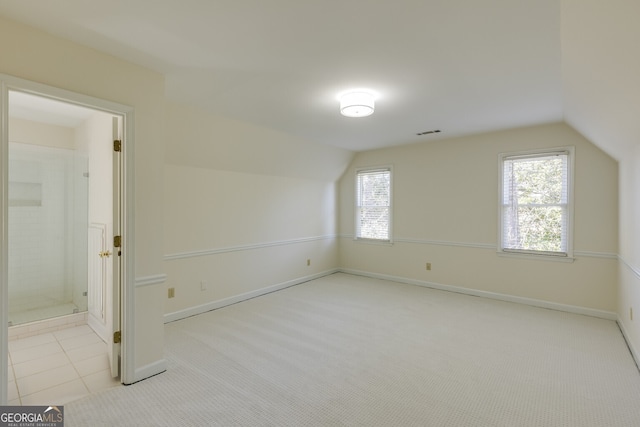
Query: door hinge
point(117, 145)
point(117, 241)
point(117, 337)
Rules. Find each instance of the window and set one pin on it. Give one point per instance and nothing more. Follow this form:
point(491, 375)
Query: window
point(536, 202)
point(373, 204)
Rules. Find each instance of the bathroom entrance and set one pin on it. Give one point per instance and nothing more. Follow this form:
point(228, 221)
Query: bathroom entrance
point(60, 213)
point(67, 220)
point(62, 160)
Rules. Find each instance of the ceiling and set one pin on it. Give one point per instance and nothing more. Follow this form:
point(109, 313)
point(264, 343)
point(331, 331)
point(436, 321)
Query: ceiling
point(458, 66)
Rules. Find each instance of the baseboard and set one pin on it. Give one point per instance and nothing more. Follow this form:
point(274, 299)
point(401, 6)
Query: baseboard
point(213, 305)
point(98, 327)
point(627, 338)
point(609, 315)
point(149, 370)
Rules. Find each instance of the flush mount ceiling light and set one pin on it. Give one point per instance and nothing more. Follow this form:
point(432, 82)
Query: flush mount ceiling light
point(357, 104)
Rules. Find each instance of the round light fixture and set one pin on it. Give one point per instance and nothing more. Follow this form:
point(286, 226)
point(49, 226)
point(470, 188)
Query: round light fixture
point(357, 104)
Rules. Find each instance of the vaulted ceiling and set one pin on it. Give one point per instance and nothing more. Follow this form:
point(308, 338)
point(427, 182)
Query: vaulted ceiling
point(458, 66)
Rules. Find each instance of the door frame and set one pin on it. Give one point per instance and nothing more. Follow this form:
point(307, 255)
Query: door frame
point(127, 303)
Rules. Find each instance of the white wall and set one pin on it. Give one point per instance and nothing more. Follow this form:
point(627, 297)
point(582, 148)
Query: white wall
point(446, 212)
point(629, 268)
point(29, 132)
point(245, 208)
point(601, 81)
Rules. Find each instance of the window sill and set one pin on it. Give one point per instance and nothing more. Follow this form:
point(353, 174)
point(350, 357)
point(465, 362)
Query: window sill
point(537, 257)
point(373, 241)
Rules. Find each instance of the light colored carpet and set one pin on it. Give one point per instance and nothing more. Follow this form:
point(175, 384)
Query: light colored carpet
point(345, 350)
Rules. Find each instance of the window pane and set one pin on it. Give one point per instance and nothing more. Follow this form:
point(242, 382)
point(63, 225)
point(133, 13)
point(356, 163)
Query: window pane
point(535, 228)
point(374, 189)
point(539, 180)
point(374, 223)
point(373, 204)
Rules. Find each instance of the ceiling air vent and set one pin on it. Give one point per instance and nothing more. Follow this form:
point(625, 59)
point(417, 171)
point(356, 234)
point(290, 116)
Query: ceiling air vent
point(428, 132)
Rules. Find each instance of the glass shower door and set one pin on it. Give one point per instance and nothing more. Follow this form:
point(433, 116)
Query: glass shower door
point(48, 211)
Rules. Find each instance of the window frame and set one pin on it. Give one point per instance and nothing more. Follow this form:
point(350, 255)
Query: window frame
point(357, 236)
point(569, 223)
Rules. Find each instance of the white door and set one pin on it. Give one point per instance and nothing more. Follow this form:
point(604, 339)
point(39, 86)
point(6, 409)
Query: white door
point(103, 306)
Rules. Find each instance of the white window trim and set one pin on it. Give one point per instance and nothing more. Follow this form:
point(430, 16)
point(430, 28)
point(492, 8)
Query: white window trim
point(388, 241)
point(524, 254)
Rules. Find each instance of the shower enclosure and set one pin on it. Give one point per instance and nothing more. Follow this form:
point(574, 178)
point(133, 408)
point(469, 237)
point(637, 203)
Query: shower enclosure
point(48, 232)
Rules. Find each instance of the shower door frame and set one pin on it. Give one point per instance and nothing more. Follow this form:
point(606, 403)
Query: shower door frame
point(127, 200)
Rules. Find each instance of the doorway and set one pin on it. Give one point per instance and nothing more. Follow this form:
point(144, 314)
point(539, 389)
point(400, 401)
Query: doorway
point(60, 189)
point(62, 180)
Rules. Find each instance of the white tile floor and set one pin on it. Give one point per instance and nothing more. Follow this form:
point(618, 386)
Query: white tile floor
point(57, 367)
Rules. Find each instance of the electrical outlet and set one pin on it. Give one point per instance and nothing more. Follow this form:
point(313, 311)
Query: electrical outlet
point(308, 262)
point(203, 285)
point(172, 292)
point(428, 266)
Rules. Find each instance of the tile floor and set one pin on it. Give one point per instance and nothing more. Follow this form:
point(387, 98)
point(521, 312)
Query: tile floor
point(57, 367)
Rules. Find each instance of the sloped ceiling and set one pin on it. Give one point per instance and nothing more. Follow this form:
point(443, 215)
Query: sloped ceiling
point(601, 72)
point(459, 66)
